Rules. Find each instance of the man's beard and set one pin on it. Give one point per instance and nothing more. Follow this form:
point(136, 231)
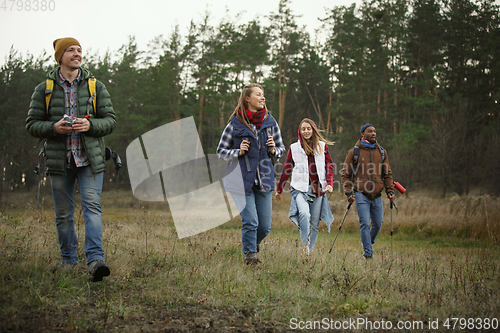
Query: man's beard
point(74, 67)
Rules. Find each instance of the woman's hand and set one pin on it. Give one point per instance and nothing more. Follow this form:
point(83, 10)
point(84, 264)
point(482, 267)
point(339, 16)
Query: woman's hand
point(278, 197)
point(244, 146)
point(270, 143)
point(329, 188)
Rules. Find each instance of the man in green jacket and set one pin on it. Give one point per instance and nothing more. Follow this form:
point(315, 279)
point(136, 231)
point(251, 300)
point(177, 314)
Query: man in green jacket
point(75, 150)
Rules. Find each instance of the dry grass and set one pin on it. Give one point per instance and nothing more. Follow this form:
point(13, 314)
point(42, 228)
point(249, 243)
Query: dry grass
point(444, 264)
point(472, 217)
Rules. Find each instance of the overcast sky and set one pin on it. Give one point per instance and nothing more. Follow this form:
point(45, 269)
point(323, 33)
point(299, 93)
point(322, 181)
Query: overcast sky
point(101, 25)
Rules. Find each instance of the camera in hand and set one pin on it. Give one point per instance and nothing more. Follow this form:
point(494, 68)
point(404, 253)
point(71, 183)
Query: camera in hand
point(70, 120)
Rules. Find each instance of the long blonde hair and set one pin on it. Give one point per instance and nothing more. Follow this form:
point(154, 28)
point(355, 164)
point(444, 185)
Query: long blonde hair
point(312, 147)
point(243, 104)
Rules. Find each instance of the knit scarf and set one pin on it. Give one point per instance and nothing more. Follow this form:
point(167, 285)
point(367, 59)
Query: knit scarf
point(368, 144)
point(254, 117)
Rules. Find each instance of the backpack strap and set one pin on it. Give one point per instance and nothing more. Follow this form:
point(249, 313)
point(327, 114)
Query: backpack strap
point(49, 86)
point(355, 159)
point(269, 133)
point(93, 94)
point(382, 152)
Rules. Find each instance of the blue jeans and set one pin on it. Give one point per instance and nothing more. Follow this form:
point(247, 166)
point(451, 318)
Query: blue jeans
point(309, 214)
point(255, 218)
point(369, 209)
point(63, 193)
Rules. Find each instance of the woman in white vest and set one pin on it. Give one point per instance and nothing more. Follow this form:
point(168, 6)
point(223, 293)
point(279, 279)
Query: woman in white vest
point(310, 165)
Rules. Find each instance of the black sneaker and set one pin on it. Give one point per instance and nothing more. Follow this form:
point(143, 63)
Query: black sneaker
point(367, 257)
point(97, 270)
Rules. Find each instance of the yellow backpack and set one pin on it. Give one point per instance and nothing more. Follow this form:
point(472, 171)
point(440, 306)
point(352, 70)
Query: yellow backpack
point(49, 86)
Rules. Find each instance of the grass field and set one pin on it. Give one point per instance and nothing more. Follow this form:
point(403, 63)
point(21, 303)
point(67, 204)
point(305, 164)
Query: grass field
point(445, 263)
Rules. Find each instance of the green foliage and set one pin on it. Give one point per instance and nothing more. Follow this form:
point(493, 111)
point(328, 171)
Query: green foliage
point(424, 72)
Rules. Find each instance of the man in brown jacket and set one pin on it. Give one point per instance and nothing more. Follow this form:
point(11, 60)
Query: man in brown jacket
point(365, 174)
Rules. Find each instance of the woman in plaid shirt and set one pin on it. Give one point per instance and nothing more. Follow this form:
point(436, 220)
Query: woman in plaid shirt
point(250, 138)
point(310, 165)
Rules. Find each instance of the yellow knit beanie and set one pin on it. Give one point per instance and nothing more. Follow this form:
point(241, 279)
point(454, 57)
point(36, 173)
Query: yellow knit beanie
point(61, 44)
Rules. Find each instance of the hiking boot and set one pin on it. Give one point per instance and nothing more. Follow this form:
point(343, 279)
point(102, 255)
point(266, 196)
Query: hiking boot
point(367, 257)
point(97, 270)
point(252, 261)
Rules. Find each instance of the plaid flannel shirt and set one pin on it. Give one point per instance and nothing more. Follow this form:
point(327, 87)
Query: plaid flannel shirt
point(226, 151)
point(74, 144)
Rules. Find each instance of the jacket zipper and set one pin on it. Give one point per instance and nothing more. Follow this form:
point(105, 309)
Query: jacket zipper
point(371, 174)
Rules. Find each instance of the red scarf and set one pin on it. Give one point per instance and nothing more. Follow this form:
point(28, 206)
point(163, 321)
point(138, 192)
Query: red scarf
point(254, 117)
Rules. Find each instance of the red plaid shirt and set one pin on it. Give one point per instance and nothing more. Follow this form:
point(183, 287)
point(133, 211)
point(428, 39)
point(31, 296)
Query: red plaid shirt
point(74, 144)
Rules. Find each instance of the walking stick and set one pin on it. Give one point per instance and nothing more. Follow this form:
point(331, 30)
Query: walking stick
point(392, 204)
point(342, 222)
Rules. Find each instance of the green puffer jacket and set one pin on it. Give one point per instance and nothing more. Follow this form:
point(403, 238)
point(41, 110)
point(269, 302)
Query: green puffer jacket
point(40, 123)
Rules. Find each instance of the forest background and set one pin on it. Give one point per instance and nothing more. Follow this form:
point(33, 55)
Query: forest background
point(426, 73)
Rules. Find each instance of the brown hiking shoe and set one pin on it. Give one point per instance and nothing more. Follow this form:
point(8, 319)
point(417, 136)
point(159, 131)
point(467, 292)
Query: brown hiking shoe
point(253, 261)
point(97, 270)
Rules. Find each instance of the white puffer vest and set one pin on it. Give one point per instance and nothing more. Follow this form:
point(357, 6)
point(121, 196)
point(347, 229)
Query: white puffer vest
point(300, 173)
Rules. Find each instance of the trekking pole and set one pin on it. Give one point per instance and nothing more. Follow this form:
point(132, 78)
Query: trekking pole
point(342, 222)
point(392, 204)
